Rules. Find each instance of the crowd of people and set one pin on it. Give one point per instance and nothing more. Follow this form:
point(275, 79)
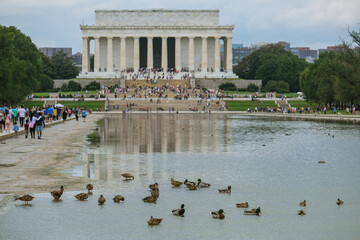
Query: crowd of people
point(34, 119)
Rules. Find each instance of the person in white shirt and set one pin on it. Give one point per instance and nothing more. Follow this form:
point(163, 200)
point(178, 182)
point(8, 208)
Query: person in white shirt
point(22, 113)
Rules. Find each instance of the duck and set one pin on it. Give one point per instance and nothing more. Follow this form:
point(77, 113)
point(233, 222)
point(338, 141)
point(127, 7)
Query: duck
point(57, 193)
point(242, 205)
point(301, 212)
point(191, 187)
point(180, 211)
point(228, 190)
point(154, 186)
point(89, 187)
point(186, 182)
point(287, 134)
point(202, 184)
point(175, 183)
point(127, 176)
point(118, 198)
point(101, 200)
point(154, 221)
point(155, 193)
point(339, 202)
point(321, 162)
point(303, 203)
point(254, 211)
point(150, 199)
point(263, 145)
point(25, 198)
point(81, 196)
point(218, 214)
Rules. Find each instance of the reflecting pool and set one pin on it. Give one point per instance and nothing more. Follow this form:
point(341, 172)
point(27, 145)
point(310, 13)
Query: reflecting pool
point(272, 163)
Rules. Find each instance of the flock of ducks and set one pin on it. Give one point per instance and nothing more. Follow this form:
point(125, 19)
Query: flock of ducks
point(154, 188)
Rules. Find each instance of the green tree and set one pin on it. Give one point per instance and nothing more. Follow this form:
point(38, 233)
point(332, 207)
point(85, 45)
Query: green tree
point(74, 86)
point(63, 66)
point(20, 65)
point(272, 62)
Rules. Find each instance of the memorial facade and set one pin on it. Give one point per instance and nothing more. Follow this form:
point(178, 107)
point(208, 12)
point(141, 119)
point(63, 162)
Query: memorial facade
point(129, 40)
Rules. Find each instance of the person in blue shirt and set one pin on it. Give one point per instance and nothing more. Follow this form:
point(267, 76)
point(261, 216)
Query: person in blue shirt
point(83, 114)
point(16, 129)
point(50, 112)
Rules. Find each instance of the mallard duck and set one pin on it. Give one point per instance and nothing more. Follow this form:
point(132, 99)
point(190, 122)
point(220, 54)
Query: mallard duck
point(89, 187)
point(154, 221)
point(202, 184)
point(118, 198)
point(228, 190)
point(154, 186)
point(301, 212)
point(339, 202)
point(57, 194)
point(191, 187)
point(303, 203)
point(263, 145)
point(254, 211)
point(186, 182)
point(242, 205)
point(175, 183)
point(81, 196)
point(321, 162)
point(101, 200)
point(218, 214)
point(25, 198)
point(180, 211)
point(127, 176)
point(155, 193)
point(287, 134)
point(150, 199)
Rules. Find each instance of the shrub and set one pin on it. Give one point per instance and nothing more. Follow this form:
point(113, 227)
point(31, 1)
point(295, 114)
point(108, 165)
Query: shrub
point(253, 88)
point(64, 88)
point(228, 86)
point(277, 86)
point(92, 86)
point(74, 86)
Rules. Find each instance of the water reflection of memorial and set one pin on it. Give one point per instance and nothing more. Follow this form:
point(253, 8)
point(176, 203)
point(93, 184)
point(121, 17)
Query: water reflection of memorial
point(128, 136)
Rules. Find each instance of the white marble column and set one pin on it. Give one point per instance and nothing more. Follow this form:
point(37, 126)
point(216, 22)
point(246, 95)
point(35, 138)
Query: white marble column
point(136, 54)
point(97, 54)
point(122, 53)
point(150, 52)
point(224, 54)
point(217, 54)
point(85, 56)
point(164, 54)
point(229, 54)
point(178, 53)
point(191, 54)
point(204, 62)
point(110, 64)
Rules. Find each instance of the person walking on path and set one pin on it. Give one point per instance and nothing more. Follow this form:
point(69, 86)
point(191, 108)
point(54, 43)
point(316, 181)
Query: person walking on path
point(26, 126)
point(64, 116)
point(7, 121)
point(83, 114)
point(2, 121)
point(39, 125)
point(32, 125)
point(21, 112)
point(16, 129)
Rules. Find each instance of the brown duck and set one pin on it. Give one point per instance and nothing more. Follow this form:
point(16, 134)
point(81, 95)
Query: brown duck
point(25, 198)
point(154, 221)
point(175, 183)
point(127, 176)
point(57, 194)
point(81, 196)
point(228, 190)
point(154, 186)
point(150, 199)
point(101, 200)
point(118, 198)
point(89, 187)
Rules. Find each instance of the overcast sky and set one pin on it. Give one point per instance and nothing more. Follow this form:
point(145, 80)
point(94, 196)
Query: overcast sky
point(312, 23)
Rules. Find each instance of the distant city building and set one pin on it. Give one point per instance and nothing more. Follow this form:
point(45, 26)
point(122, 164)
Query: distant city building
point(304, 52)
point(329, 49)
point(286, 45)
point(240, 53)
point(257, 45)
point(49, 51)
point(77, 58)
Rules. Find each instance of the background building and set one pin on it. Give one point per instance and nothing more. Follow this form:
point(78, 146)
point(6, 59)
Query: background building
point(49, 51)
point(305, 52)
point(77, 58)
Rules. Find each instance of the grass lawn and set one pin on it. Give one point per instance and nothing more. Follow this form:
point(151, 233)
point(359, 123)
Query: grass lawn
point(244, 105)
point(301, 103)
point(46, 94)
point(93, 105)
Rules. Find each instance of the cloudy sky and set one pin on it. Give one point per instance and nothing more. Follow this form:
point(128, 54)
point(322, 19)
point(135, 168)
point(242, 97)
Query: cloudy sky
point(312, 23)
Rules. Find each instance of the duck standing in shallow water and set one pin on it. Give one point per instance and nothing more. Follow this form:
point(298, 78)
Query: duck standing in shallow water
point(228, 190)
point(57, 194)
point(101, 200)
point(218, 214)
point(25, 198)
point(201, 184)
point(150, 199)
point(302, 204)
point(175, 183)
point(89, 187)
point(339, 202)
point(127, 176)
point(154, 221)
point(81, 196)
point(301, 213)
point(118, 198)
point(180, 211)
point(154, 186)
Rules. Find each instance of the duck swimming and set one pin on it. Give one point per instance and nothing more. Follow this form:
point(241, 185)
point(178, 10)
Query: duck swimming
point(101, 200)
point(81, 196)
point(180, 211)
point(202, 184)
point(127, 176)
point(228, 190)
point(218, 214)
point(175, 183)
point(118, 198)
point(154, 221)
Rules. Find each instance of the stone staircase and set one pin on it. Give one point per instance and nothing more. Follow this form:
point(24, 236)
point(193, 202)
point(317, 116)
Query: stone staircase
point(160, 83)
point(282, 104)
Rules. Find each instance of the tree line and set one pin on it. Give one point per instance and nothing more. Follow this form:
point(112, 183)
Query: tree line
point(24, 69)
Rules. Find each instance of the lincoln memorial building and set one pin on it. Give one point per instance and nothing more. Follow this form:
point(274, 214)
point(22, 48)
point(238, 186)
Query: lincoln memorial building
point(176, 41)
